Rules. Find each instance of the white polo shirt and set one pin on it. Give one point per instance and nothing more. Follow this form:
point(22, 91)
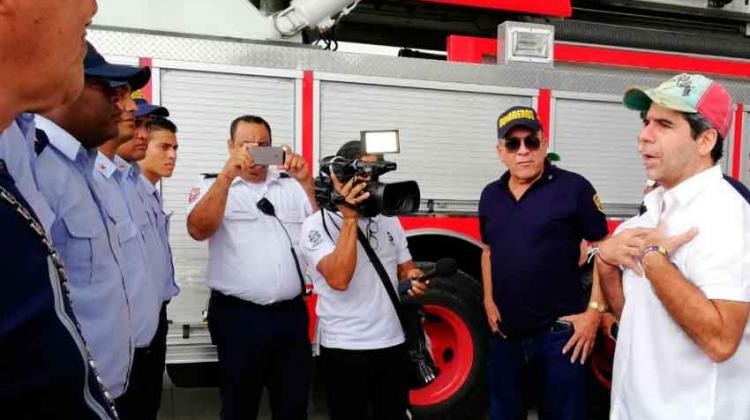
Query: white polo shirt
point(249, 256)
point(659, 371)
point(361, 317)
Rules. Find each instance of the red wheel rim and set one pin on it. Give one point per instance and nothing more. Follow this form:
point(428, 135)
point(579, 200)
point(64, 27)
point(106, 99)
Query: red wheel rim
point(453, 349)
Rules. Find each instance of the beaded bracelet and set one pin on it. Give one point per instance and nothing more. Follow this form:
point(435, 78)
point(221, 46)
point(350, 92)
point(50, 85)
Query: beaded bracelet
point(654, 248)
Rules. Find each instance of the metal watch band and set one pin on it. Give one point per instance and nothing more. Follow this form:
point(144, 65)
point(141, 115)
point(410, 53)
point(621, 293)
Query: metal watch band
point(597, 306)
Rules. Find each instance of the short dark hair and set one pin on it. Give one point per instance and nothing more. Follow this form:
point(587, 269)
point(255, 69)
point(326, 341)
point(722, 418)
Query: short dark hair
point(698, 125)
point(156, 122)
point(249, 119)
point(351, 150)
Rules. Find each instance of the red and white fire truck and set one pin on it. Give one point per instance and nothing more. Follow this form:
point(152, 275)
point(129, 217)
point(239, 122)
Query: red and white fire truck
point(456, 71)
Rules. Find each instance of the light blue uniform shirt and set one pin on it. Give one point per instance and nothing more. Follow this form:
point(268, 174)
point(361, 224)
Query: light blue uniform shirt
point(139, 281)
point(17, 150)
point(87, 240)
point(160, 220)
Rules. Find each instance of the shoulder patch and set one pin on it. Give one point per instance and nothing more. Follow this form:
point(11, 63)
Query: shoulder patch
point(598, 203)
point(194, 193)
point(315, 238)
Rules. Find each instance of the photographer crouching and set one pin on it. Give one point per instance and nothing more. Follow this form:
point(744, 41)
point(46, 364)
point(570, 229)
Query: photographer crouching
point(363, 357)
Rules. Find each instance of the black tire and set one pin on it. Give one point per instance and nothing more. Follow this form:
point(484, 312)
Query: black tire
point(459, 295)
point(460, 283)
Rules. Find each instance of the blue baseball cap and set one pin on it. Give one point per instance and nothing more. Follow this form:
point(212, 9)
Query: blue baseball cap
point(94, 65)
point(145, 109)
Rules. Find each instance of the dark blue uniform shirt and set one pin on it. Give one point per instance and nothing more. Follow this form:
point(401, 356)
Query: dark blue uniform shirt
point(535, 246)
point(44, 372)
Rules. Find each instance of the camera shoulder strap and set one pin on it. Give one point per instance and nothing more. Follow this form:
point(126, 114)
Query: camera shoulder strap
point(381, 272)
point(325, 225)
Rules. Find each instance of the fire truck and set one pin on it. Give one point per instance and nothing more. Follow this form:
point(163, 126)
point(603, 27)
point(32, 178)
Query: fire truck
point(449, 68)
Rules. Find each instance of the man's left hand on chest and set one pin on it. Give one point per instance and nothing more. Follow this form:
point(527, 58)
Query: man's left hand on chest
point(585, 326)
point(658, 240)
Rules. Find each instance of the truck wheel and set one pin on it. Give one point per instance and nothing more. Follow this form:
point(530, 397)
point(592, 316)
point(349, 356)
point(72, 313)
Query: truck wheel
point(455, 323)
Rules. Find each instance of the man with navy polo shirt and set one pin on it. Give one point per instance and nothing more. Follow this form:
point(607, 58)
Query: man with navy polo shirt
point(532, 222)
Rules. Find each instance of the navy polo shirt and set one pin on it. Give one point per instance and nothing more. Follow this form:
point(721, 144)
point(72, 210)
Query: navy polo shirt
point(535, 246)
point(44, 372)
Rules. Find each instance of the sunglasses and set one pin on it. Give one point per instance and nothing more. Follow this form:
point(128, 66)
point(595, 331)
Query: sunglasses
point(512, 144)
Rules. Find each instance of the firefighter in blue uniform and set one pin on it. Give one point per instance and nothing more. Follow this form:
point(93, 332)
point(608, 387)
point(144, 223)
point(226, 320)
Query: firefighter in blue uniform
point(143, 397)
point(83, 230)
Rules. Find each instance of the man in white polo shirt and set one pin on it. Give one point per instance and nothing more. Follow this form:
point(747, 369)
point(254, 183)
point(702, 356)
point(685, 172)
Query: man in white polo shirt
point(256, 314)
point(683, 350)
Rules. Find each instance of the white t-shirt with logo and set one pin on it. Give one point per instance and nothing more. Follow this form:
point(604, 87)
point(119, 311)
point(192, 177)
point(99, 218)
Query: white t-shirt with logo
point(361, 317)
point(659, 371)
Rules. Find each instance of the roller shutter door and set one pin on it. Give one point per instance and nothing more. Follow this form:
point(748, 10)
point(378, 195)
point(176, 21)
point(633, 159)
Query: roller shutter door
point(599, 141)
point(448, 138)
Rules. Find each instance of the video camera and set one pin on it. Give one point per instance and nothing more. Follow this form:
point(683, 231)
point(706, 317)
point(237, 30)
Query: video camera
point(392, 199)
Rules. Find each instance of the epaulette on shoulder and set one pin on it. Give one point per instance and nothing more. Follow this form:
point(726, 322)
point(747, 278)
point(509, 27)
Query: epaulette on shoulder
point(209, 176)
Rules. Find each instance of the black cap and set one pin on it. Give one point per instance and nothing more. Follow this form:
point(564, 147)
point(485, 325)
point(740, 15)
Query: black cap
point(94, 65)
point(517, 116)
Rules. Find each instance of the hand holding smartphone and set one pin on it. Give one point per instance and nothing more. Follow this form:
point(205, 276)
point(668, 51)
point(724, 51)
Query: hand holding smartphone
point(267, 155)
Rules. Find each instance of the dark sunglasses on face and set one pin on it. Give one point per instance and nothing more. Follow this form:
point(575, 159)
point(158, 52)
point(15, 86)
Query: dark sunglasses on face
point(512, 144)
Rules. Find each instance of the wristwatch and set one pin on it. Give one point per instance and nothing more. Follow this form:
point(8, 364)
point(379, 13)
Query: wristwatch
point(598, 306)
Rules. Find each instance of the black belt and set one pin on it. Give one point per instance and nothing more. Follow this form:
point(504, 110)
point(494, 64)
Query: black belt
point(275, 306)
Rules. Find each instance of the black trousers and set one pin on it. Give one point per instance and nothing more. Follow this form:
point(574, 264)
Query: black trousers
point(358, 380)
point(142, 399)
point(261, 346)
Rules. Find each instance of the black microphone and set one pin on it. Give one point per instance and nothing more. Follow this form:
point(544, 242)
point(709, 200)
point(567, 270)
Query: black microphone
point(445, 267)
point(266, 207)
